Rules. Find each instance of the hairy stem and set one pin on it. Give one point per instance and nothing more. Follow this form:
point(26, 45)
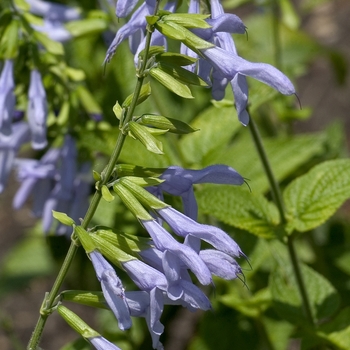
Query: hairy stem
point(277, 197)
point(47, 306)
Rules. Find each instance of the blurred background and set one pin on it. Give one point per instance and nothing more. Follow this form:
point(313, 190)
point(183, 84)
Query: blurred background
point(324, 92)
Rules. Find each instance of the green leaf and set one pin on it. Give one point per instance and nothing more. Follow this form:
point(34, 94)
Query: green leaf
point(38, 262)
point(86, 26)
point(278, 332)
point(323, 298)
point(144, 94)
point(177, 32)
point(87, 100)
point(182, 74)
point(188, 20)
point(338, 330)
point(152, 19)
point(84, 239)
point(216, 127)
point(9, 40)
point(168, 30)
point(51, 46)
point(171, 83)
point(247, 304)
point(106, 194)
point(144, 181)
point(142, 133)
point(173, 125)
point(312, 198)
point(63, 218)
point(135, 170)
point(240, 208)
point(173, 58)
point(118, 110)
point(284, 154)
point(75, 74)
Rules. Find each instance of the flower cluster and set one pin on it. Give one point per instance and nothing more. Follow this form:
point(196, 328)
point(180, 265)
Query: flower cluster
point(218, 65)
point(163, 275)
point(57, 184)
point(44, 176)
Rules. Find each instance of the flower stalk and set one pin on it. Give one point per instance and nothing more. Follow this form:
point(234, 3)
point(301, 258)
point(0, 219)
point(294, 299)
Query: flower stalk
point(49, 302)
point(277, 197)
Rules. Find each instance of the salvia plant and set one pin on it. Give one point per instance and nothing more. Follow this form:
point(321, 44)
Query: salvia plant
point(124, 122)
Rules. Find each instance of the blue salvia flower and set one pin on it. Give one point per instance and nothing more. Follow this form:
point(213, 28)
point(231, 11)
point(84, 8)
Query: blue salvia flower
point(53, 10)
point(180, 181)
point(37, 110)
point(184, 226)
point(223, 66)
point(157, 292)
point(220, 264)
point(149, 305)
point(124, 7)
point(165, 242)
point(54, 29)
point(136, 22)
point(56, 183)
point(112, 289)
point(54, 15)
point(9, 148)
point(7, 99)
point(36, 176)
point(63, 191)
point(134, 29)
point(101, 343)
point(80, 197)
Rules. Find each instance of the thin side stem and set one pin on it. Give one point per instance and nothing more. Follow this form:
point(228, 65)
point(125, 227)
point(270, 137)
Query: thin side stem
point(48, 301)
point(276, 193)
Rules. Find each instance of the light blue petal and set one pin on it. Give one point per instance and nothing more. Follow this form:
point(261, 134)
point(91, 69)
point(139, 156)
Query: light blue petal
point(164, 241)
point(101, 343)
point(220, 264)
point(113, 292)
point(183, 226)
point(240, 91)
point(138, 302)
point(230, 64)
point(227, 22)
point(153, 317)
point(172, 270)
point(144, 276)
point(7, 98)
point(125, 7)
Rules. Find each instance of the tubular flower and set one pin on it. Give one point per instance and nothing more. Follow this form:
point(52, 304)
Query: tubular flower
point(7, 99)
point(37, 110)
point(165, 242)
point(112, 289)
point(101, 343)
point(222, 65)
point(36, 176)
point(185, 226)
point(9, 148)
point(134, 29)
point(62, 193)
point(180, 181)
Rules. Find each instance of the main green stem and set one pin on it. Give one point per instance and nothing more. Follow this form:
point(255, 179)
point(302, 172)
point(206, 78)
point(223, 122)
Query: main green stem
point(46, 309)
point(276, 193)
